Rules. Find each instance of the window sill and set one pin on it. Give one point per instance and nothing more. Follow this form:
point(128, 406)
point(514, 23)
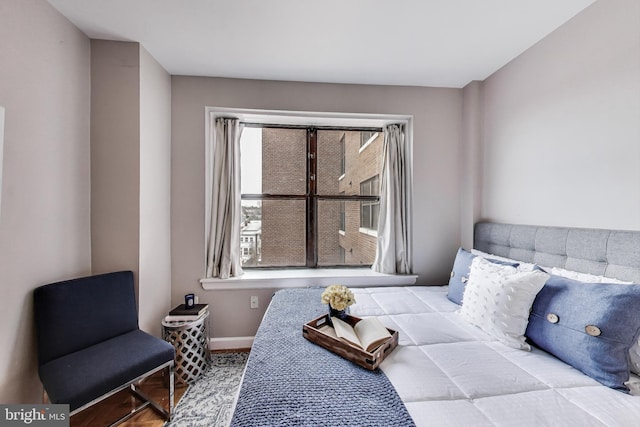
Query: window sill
point(368, 231)
point(277, 279)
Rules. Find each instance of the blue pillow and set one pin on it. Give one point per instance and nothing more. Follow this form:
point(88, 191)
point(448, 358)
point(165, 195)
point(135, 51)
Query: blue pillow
point(590, 326)
point(460, 274)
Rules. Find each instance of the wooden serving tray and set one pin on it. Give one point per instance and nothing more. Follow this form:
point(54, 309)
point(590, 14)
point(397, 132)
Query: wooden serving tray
point(321, 333)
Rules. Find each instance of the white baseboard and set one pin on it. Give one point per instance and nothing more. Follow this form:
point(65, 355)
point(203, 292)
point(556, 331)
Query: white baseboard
point(230, 343)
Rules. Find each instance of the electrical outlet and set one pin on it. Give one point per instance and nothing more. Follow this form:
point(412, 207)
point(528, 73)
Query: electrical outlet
point(254, 301)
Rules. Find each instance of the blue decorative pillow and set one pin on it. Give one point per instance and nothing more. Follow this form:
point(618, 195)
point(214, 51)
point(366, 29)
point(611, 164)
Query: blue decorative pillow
point(590, 326)
point(460, 274)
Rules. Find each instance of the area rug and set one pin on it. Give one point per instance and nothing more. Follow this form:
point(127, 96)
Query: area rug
point(209, 401)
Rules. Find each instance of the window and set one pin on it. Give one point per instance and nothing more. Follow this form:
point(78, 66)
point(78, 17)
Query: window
point(366, 136)
point(302, 195)
point(370, 208)
point(342, 156)
point(317, 234)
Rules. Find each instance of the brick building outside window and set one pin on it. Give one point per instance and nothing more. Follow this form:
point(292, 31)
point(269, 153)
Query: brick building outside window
point(347, 165)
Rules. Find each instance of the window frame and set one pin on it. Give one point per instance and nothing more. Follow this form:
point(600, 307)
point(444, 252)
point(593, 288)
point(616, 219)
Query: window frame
point(312, 197)
point(371, 205)
point(342, 227)
point(263, 279)
point(343, 156)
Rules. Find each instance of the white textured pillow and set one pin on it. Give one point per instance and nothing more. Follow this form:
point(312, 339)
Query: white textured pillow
point(498, 299)
point(634, 357)
point(585, 277)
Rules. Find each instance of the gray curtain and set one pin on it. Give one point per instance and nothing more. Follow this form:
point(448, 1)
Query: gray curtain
point(393, 254)
point(223, 210)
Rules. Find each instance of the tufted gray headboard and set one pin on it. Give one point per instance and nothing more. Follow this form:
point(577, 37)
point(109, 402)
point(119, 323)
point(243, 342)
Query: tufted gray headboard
point(607, 253)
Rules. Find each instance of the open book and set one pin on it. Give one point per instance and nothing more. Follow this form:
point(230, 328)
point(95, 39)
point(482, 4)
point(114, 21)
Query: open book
point(367, 334)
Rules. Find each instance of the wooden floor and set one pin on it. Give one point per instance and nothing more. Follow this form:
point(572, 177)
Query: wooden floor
point(120, 404)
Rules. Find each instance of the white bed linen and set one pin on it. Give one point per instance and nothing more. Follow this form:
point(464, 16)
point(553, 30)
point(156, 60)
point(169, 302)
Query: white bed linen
point(450, 373)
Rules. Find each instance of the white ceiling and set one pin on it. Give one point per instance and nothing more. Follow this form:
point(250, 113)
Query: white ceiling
point(445, 43)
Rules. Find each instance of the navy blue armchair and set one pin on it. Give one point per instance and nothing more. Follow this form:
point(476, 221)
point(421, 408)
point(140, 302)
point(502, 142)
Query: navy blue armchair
point(90, 345)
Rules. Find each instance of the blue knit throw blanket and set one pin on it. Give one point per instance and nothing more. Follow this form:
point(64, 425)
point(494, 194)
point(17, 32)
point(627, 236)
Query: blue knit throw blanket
point(290, 381)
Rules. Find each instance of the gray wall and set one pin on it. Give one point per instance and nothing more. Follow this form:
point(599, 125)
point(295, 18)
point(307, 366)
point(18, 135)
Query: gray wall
point(44, 223)
point(155, 193)
point(470, 166)
point(115, 156)
point(562, 126)
point(131, 172)
point(437, 116)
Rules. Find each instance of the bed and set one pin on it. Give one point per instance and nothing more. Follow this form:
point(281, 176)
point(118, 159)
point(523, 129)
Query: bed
point(456, 365)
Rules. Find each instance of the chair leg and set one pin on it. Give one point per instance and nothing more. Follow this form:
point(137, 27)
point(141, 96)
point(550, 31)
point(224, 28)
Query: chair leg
point(148, 401)
point(132, 386)
point(171, 389)
point(143, 396)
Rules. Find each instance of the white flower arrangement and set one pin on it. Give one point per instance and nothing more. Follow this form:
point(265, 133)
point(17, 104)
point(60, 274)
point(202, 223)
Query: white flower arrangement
point(339, 297)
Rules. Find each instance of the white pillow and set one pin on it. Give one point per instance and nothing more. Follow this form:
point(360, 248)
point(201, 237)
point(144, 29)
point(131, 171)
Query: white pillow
point(585, 277)
point(498, 299)
point(522, 266)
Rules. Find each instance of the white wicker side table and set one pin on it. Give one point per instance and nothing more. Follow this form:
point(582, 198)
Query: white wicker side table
point(191, 341)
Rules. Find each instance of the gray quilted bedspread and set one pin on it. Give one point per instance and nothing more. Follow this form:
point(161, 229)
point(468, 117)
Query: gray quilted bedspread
point(290, 381)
